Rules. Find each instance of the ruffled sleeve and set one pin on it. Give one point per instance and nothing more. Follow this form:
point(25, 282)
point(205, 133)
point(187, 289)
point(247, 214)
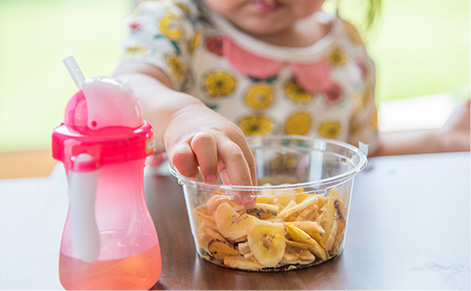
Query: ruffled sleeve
point(364, 121)
point(164, 34)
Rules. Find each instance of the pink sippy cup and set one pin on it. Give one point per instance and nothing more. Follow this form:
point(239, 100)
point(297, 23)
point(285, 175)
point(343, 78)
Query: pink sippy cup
point(109, 240)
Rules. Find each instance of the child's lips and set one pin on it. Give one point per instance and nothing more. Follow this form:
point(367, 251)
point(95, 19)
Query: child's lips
point(267, 5)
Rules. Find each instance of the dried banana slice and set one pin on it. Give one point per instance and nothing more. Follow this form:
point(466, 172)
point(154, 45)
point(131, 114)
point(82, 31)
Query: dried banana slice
point(306, 257)
point(266, 195)
point(285, 196)
point(310, 227)
point(216, 200)
point(239, 262)
point(296, 244)
point(341, 209)
point(298, 207)
point(244, 248)
point(263, 210)
point(339, 236)
point(267, 200)
point(309, 213)
point(334, 192)
point(320, 219)
point(211, 233)
point(290, 205)
point(203, 214)
point(333, 232)
point(291, 256)
point(334, 210)
point(231, 224)
point(240, 240)
point(220, 249)
point(267, 242)
point(301, 197)
point(207, 232)
point(321, 200)
point(300, 236)
point(206, 224)
point(295, 255)
point(329, 217)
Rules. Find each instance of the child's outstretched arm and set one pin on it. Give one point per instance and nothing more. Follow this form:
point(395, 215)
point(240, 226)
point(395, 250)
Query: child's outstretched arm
point(454, 136)
point(192, 134)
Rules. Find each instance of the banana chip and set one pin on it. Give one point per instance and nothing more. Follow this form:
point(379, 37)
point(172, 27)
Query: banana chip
point(263, 210)
point(299, 235)
point(238, 262)
point(203, 214)
point(267, 242)
point(231, 224)
point(220, 249)
point(290, 205)
point(213, 203)
point(339, 236)
point(310, 227)
point(298, 207)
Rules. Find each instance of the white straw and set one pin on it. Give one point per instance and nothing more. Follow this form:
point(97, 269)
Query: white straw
point(74, 71)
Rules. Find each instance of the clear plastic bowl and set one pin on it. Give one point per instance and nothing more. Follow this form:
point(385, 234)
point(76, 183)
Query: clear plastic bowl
point(302, 206)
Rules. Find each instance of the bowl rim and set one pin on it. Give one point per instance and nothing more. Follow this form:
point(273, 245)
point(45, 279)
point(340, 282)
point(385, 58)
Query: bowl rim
point(331, 181)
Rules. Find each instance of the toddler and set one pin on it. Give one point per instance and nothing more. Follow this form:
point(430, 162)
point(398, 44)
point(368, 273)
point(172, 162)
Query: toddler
point(211, 72)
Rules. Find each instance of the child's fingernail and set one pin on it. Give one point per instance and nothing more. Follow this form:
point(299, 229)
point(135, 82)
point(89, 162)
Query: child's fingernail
point(248, 201)
point(211, 178)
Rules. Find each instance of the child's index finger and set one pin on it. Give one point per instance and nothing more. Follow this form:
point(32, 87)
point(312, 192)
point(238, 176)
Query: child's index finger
point(234, 170)
point(244, 197)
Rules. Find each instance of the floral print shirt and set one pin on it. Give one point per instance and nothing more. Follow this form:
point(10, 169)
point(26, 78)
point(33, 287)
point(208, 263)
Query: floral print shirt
point(324, 90)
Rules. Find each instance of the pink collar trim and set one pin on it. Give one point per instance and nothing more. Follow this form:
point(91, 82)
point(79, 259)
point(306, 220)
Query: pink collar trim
point(313, 77)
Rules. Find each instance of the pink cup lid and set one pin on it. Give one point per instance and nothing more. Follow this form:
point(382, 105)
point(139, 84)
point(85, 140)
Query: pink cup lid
point(107, 146)
point(104, 120)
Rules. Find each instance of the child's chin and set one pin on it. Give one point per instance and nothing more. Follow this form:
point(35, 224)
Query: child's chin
point(261, 28)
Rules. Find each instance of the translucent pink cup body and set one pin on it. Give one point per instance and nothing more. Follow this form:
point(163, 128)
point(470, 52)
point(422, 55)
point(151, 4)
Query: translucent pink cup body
point(129, 255)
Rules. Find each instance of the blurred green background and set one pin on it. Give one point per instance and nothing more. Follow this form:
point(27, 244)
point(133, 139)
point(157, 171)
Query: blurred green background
point(421, 47)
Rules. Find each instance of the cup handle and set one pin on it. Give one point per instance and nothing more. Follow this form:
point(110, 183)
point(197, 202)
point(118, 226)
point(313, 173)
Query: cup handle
point(83, 180)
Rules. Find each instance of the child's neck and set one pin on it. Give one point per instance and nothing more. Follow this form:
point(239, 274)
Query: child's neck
point(303, 33)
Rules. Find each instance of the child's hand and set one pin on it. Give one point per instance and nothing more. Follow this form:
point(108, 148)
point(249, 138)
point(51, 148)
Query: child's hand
point(197, 136)
point(454, 136)
point(192, 134)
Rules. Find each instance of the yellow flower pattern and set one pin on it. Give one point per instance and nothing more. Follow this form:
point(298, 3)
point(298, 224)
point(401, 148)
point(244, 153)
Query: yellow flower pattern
point(355, 127)
point(337, 57)
point(256, 125)
point(220, 83)
point(259, 96)
point(358, 103)
point(330, 129)
point(298, 123)
point(284, 161)
point(176, 66)
point(183, 7)
point(137, 50)
point(194, 42)
point(368, 96)
point(374, 120)
point(170, 27)
point(297, 93)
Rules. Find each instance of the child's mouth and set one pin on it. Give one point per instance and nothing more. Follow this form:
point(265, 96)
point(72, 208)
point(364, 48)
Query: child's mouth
point(267, 5)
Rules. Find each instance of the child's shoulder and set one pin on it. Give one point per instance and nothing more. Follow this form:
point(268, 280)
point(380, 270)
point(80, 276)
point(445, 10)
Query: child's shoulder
point(340, 26)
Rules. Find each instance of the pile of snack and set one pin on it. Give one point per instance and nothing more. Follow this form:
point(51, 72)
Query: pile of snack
point(280, 233)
